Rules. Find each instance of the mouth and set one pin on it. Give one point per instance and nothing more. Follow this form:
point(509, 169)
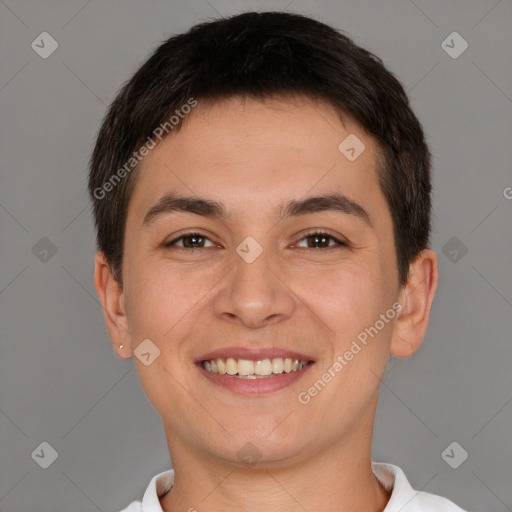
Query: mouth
point(248, 369)
point(254, 372)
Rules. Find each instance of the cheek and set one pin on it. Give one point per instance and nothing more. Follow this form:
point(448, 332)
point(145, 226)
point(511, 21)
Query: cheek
point(346, 298)
point(350, 303)
point(162, 301)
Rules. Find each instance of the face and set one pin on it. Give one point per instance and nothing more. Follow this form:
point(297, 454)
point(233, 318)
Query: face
point(256, 283)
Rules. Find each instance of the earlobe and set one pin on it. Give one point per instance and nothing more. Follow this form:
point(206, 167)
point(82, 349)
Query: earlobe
point(111, 297)
point(417, 297)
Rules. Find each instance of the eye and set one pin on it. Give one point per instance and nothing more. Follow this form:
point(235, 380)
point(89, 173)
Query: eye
point(189, 241)
point(320, 238)
point(194, 240)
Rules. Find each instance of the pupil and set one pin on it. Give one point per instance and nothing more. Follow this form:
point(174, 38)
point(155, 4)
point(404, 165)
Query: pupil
point(192, 238)
point(318, 237)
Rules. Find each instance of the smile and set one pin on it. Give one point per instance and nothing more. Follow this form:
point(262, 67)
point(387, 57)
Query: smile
point(247, 369)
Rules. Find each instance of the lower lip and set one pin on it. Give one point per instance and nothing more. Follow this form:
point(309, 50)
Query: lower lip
point(254, 386)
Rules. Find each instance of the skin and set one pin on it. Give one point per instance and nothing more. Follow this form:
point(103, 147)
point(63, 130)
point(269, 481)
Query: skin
point(252, 156)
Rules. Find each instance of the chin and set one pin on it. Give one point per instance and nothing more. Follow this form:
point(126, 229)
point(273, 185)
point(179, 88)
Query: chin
point(259, 451)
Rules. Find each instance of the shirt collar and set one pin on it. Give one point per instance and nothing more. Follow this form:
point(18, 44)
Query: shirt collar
point(159, 485)
point(393, 479)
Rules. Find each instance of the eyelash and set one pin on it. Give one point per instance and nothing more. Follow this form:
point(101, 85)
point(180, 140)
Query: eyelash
point(314, 232)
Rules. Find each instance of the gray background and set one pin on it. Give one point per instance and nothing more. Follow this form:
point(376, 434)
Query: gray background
point(60, 380)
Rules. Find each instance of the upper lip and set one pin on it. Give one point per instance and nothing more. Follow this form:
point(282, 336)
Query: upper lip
point(253, 354)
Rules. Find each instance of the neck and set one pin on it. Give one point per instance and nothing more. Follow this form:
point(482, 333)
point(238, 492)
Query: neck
point(338, 478)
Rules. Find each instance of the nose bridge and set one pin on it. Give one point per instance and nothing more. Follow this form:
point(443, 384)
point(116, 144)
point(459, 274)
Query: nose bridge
point(253, 291)
point(251, 267)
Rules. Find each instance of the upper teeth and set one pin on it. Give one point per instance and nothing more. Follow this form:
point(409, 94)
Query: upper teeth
point(245, 367)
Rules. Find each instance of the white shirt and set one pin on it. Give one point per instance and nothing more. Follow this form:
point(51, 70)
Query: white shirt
point(403, 497)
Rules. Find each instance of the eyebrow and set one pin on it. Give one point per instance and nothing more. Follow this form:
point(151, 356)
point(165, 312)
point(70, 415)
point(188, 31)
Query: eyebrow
point(210, 208)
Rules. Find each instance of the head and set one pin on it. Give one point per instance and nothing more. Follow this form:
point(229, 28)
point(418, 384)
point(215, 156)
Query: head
point(253, 132)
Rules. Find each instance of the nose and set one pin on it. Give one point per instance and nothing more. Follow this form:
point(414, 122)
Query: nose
point(255, 293)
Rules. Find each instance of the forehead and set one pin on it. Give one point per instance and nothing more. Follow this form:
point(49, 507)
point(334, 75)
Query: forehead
point(248, 153)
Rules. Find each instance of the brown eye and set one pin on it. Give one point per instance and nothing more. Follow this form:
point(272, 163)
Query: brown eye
point(321, 240)
point(189, 241)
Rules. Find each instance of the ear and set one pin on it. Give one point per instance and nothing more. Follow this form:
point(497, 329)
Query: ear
point(416, 297)
point(112, 299)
